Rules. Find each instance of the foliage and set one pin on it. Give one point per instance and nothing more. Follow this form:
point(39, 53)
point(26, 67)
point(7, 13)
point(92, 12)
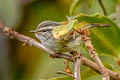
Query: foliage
point(101, 37)
point(106, 40)
point(76, 3)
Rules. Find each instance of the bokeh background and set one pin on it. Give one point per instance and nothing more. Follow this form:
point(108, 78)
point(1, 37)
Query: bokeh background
point(18, 62)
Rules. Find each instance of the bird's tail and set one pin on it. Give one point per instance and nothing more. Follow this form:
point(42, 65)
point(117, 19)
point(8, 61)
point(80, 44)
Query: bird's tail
point(94, 25)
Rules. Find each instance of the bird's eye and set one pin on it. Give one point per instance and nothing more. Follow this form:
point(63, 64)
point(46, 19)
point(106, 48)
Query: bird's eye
point(46, 30)
point(43, 31)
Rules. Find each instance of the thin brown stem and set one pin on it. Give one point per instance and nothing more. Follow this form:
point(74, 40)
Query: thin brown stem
point(86, 38)
point(77, 65)
point(64, 73)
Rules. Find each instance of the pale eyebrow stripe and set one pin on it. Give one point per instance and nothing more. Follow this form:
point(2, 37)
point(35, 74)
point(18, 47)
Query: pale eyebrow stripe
point(49, 27)
point(49, 23)
point(46, 28)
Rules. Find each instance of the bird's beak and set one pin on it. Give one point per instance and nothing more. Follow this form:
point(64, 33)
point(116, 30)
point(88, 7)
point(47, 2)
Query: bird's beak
point(33, 31)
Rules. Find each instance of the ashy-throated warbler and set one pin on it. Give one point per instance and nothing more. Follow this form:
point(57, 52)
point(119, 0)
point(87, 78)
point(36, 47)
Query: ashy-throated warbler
point(44, 33)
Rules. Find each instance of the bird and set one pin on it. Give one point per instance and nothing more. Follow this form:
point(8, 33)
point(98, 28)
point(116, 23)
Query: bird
point(73, 39)
point(44, 32)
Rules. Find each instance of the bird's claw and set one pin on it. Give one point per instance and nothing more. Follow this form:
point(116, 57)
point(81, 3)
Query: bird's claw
point(53, 55)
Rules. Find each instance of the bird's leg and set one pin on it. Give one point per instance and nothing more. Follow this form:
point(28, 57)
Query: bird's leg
point(75, 55)
point(53, 55)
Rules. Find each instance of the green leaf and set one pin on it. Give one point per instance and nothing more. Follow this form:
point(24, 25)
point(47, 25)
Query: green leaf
point(74, 5)
point(96, 77)
point(89, 74)
point(111, 61)
point(78, 3)
point(90, 3)
point(62, 30)
point(105, 40)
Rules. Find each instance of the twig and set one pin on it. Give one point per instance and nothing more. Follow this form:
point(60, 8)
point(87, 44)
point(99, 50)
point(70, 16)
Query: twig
point(95, 67)
point(64, 73)
point(33, 42)
point(77, 65)
point(103, 7)
point(86, 38)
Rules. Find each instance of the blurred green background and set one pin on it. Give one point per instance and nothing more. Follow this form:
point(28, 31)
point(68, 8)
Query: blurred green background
point(18, 62)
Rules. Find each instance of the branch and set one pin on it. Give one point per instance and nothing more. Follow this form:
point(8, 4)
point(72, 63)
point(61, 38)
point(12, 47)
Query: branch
point(86, 38)
point(35, 43)
point(64, 73)
point(95, 67)
point(77, 65)
point(30, 41)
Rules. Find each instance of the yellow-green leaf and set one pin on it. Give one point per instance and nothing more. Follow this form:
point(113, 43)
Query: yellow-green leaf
point(62, 30)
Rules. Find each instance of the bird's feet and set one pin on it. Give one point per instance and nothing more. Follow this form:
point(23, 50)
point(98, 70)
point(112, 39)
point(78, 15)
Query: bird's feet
point(75, 55)
point(53, 55)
